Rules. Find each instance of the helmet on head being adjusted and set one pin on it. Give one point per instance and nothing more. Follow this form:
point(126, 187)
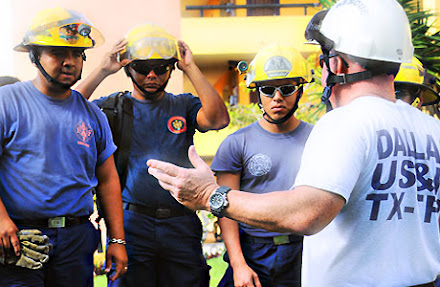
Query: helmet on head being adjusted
point(60, 27)
point(277, 61)
point(410, 82)
point(150, 42)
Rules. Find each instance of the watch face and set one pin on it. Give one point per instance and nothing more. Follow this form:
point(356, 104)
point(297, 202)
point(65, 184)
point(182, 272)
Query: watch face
point(217, 200)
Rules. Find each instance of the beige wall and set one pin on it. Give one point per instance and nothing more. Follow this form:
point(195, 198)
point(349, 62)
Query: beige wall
point(113, 18)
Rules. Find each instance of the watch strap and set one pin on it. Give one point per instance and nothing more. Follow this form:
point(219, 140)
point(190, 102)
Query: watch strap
point(223, 189)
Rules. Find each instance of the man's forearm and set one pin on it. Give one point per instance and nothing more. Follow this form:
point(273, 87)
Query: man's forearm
point(214, 110)
point(87, 86)
point(231, 238)
point(303, 211)
point(110, 201)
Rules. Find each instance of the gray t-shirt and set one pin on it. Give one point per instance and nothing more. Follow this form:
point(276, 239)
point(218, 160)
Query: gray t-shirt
point(267, 161)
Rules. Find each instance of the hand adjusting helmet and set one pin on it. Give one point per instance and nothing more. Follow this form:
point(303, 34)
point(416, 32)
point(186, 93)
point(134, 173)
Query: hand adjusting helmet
point(150, 42)
point(58, 27)
point(409, 84)
point(374, 33)
point(277, 62)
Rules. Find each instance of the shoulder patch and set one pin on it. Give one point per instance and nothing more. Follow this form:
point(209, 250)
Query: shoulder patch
point(177, 124)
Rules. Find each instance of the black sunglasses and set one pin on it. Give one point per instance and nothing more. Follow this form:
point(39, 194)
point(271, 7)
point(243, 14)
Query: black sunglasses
point(286, 90)
point(145, 69)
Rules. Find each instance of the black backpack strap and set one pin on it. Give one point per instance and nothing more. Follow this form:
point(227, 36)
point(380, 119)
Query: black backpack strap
point(125, 105)
point(119, 111)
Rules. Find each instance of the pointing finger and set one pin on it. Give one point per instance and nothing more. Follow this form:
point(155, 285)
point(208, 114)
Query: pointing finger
point(164, 167)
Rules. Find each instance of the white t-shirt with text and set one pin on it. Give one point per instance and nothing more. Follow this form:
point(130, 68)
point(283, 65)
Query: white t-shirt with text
point(383, 158)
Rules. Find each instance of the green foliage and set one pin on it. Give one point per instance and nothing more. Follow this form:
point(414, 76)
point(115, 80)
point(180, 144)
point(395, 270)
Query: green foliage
point(312, 109)
point(243, 115)
point(425, 40)
point(218, 268)
point(326, 4)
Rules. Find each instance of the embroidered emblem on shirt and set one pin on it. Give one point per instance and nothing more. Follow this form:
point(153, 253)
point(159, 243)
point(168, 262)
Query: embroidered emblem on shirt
point(84, 133)
point(259, 164)
point(177, 124)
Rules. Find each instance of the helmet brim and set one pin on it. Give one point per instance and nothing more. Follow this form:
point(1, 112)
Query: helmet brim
point(428, 95)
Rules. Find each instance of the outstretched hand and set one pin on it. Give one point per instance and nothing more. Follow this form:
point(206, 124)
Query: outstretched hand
point(191, 187)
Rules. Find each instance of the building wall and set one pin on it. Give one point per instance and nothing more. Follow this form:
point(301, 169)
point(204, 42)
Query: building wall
point(113, 18)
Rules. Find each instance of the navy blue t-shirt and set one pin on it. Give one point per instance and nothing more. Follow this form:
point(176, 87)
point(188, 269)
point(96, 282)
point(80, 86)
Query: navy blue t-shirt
point(163, 130)
point(49, 152)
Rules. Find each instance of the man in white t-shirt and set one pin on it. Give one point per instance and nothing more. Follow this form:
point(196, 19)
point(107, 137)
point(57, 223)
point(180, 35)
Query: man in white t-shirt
point(366, 191)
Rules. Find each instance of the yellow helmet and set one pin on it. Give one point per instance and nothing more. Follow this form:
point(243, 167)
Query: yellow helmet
point(148, 42)
point(277, 61)
point(62, 28)
point(411, 78)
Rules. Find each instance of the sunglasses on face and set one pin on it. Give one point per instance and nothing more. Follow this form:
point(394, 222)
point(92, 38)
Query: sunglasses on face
point(145, 69)
point(286, 90)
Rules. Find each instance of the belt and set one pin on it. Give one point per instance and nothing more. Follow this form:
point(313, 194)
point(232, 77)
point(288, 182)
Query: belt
point(158, 212)
point(430, 284)
point(53, 222)
point(277, 240)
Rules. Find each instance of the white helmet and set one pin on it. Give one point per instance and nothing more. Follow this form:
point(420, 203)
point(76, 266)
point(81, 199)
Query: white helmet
point(370, 29)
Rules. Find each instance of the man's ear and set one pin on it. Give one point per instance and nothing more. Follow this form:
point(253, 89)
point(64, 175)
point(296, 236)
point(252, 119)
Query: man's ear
point(338, 66)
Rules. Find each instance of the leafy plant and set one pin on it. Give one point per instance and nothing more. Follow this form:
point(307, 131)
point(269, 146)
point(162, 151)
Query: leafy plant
point(243, 115)
point(310, 107)
point(426, 42)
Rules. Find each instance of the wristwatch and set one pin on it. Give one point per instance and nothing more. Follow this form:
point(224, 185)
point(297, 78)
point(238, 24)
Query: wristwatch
point(218, 201)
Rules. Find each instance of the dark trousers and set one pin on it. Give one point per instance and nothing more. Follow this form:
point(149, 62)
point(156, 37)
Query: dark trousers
point(163, 252)
point(70, 261)
point(276, 265)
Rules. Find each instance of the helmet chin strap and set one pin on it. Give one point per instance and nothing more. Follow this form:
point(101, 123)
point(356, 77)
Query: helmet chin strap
point(48, 77)
point(341, 79)
point(146, 93)
point(286, 117)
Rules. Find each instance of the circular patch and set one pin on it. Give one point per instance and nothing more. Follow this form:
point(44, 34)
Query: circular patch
point(83, 132)
point(259, 164)
point(177, 124)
